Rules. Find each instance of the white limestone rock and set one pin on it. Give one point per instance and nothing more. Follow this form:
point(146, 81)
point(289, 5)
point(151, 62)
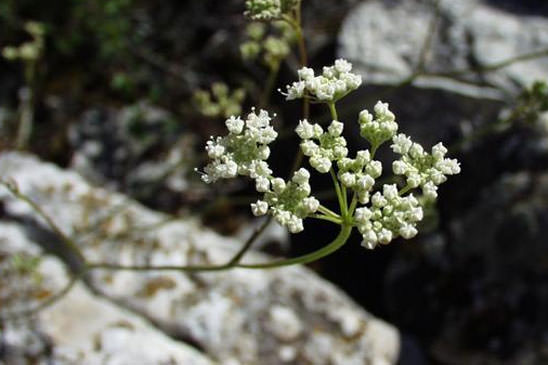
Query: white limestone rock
point(469, 33)
point(240, 316)
point(80, 328)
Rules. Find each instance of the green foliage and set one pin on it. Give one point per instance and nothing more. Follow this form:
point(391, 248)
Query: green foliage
point(272, 41)
point(219, 101)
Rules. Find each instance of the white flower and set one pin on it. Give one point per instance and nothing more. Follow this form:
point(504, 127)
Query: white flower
point(335, 129)
point(430, 190)
point(380, 129)
point(309, 148)
point(374, 168)
point(331, 147)
point(296, 90)
point(301, 176)
point(243, 150)
point(390, 192)
point(259, 208)
point(408, 231)
point(305, 130)
point(365, 182)
point(266, 10)
point(305, 73)
point(321, 164)
point(401, 144)
point(385, 236)
point(234, 125)
point(290, 202)
point(421, 168)
point(348, 179)
point(370, 239)
point(334, 83)
point(262, 184)
point(343, 66)
point(311, 204)
point(399, 167)
point(439, 151)
point(362, 215)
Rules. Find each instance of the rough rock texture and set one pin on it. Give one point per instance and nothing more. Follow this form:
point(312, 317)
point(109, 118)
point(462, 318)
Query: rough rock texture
point(124, 149)
point(239, 316)
point(469, 34)
point(81, 328)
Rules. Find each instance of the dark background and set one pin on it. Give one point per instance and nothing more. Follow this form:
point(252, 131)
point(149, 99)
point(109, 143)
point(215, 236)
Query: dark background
point(471, 288)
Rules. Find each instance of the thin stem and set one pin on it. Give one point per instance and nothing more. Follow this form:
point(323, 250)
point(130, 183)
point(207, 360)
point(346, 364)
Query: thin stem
point(333, 111)
point(249, 242)
point(345, 199)
point(353, 205)
point(337, 243)
point(27, 108)
point(71, 244)
point(339, 192)
point(270, 82)
point(296, 24)
point(327, 218)
point(11, 315)
point(405, 189)
point(374, 150)
point(328, 211)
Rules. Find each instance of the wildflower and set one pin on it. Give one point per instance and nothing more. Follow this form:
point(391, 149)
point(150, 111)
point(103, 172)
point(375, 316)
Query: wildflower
point(322, 147)
point(334, 83)
point(379, 129)
point(243, 151)
point(266, 10)
point(427, 170)
point(389, 216)
point(359, 174)
point(288, 202)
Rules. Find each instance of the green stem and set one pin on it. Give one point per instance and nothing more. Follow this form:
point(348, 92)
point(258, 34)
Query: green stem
point(333, 110)
point(327, 218)
point(337, 243)
point(70, 243)
point(345, 199)
point(328, 211)
point(27, 109)
point(12, 315)
point(267, 92)
point(353, 205)
point(340, 198)
point(404, 190)
point(374, 150)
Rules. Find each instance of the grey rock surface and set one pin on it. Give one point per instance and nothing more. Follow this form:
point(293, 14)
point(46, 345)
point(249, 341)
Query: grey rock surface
point(385, 42)
point(240, 316)
point(81, 328)
point(125, 149)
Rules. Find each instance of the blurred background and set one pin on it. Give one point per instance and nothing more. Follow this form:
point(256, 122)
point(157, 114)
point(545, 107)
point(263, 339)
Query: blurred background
point(126, 92)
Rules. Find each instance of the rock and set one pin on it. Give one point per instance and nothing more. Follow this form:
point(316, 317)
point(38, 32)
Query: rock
point(469, 34)
point(81, 328)
point(238, 316)
point(125, 149)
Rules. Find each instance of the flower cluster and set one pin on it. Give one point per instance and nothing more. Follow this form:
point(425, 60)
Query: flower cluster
point(219, 102)
point(359, 174)
point(30, 50)
point(427, 170)
point(380, 216)
point(274, 47)
point(243, 151)
point(288, 202)
point(379, 129)
point(334, 83)
point(389, 216)
point(331, 145)
point(266, 10)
